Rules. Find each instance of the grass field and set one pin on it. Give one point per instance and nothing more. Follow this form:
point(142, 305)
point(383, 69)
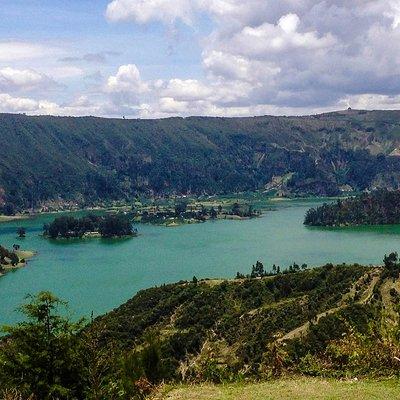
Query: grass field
point(291, 389)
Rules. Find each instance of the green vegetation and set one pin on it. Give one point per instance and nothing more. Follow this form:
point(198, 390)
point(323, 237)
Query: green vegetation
point(329, 322)
point(48, 162)
point(106, 226)
point(16, 258)
point(7, 257)
point(43, 356)
point(287, 389)
point(380, 207)
point(21, 232)
point(185, 212)
point(258, 271)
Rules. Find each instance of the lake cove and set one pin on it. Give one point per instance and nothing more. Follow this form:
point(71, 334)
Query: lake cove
point(100, 274)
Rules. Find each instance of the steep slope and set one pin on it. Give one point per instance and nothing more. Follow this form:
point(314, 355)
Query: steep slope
point(86, 159)
point(306, 322)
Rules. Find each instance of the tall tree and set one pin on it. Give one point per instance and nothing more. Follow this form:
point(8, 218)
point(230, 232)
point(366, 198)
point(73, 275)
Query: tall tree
point(21, 232)
point(41, 355)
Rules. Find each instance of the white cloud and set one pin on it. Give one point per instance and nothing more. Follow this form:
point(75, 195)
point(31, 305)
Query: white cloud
point(16, 104)
point(169, 105)
point(262, 40)
point(372, 101)
point(186, 90)
point(260, 56)
point(79, 107)
point(15, 51)
point(393, 11)
point(12, 78)
point(268, 56)
point(126, 80)
point(144, 11)
point(233, 67)
point(289, 23)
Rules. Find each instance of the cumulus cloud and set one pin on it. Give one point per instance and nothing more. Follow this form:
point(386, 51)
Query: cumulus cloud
point(262, 41)
point(22, 79)
point(126, 80)
point(16, 104)
point(258, 56)
point(186, 90)
point(269, 55)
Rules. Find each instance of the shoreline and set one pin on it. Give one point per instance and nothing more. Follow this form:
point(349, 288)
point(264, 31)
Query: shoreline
point(90, 235)
point(18, 217)
point(209, 202)
point(25, 255)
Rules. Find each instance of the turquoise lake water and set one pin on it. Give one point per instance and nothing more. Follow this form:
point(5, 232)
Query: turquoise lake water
point(98, 275)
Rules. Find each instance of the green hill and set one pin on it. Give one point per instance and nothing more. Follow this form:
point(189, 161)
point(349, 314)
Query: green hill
point(88, 159)
point(327, 323)
point(381, 207)
point(330, 321)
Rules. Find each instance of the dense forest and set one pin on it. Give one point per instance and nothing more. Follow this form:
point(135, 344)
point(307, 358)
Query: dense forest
point(380, 207)
point(47, 159)
point(337, 321)
point(106, 226)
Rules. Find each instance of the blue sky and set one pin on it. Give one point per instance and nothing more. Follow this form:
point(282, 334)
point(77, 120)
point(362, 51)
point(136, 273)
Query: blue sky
point(82, 27)
point(157, 58)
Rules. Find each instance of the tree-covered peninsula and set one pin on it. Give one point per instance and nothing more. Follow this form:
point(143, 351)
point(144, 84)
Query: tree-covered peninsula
point(381, 207)
point(91, 225)
point(12, 259)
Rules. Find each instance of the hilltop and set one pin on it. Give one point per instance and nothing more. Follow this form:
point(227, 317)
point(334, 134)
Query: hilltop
point(55, 160)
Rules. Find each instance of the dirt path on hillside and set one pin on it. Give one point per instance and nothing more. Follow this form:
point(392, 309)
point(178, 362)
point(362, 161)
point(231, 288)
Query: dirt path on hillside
point(365, 298)
point(389, 312)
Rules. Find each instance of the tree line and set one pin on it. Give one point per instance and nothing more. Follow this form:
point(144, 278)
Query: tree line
point(381, 207)
point(258, 270)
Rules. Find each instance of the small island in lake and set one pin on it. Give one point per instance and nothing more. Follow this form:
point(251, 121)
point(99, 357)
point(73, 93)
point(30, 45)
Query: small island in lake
point(188, 213)
point(106, 226)
point(381, 207)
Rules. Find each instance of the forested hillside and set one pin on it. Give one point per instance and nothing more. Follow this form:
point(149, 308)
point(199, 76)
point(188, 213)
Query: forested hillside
point(332, 321)
point(329, 321)
point(85, 159)
point(381, 207)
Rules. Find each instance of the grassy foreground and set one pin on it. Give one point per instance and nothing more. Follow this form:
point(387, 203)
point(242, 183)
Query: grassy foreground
point(290, 389)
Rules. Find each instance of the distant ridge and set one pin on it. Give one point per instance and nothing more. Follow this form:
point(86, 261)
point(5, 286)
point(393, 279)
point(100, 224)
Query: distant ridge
point(87, 159)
